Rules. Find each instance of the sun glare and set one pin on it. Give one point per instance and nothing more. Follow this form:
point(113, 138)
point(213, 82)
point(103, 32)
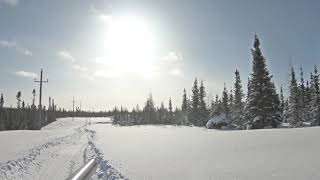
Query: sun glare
point(130, 46)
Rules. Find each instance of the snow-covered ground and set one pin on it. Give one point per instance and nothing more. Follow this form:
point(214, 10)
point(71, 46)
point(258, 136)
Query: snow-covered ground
point(159, 152)
point(55, 152)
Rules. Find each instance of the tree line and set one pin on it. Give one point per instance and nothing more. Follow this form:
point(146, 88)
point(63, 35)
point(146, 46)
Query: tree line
point(263, 106)
point(25, 116)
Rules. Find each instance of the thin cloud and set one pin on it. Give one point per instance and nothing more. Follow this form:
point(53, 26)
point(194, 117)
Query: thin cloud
point(106, 18)
point(109, 74)
point(173, 56)
point(7, 44)
point(176, 72)
point(172, 63)
point(11, 3)
point(65, 55)
point(77, 67)
point(26, 52)
point(15, 46)
point(26, 74)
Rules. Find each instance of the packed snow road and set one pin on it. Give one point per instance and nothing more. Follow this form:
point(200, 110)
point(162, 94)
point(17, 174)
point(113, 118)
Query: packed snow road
point(55, 152)
point(159, 152)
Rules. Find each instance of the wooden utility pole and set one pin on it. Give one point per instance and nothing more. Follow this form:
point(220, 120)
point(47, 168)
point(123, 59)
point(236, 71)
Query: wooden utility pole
point(40, 94)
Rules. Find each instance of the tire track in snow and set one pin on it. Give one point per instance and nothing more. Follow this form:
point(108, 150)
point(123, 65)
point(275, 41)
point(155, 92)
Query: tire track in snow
point(32, 163)
point(66, 153)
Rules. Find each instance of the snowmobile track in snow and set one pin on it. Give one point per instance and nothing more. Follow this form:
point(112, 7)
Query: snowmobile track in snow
point(16, 169)
point(66, 153)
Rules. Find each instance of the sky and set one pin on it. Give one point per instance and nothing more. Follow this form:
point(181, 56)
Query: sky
point(106, 53)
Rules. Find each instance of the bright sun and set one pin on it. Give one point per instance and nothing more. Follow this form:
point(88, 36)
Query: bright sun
point(130, 46)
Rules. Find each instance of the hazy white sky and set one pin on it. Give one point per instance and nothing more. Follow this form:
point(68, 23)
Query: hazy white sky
point(107, 53)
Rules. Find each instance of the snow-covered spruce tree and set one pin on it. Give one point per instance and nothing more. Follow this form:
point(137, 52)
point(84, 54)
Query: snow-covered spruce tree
point(231, 99)
point(162, 113)
point(303, 97)
point(212, 105)
point(261, 109)
point(225, 104)
point(276, 106)
point(115, 114)
point(194, 111)
point(248, 91)
point(137, 115)
point(185, 108)
point(170, 113)
point(294, 115)
point(215, 107)
point(149, 112)
point(238, 105)
point(203, 111)
point(308, 100)
point(185, 104)
point(281, 101)
point(315, 95)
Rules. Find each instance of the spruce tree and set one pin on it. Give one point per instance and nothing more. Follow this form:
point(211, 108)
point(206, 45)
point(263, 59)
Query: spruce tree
point(276, 106)
point(238, 108)
point(308, 102)
point(53, 105)
point(184, 106)
point(203, 112)
point(315, 108)
point(281, 100)
point(294, 116)
point(149, 111)
point(18, 96)
point(2, 121)
point(194, 114)
point(212, 106)
point(170, 113)
point(225, 104)
point(316, 80)
point(33, 99)
point(248, 91)
point(261, 109)
point(302, 97)
point(162, 114)
point(1, 101)
point(231, 100)
point(216, 108)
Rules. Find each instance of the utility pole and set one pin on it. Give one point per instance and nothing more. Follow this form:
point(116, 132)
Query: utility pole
point(40, 95)
point(73, 101)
